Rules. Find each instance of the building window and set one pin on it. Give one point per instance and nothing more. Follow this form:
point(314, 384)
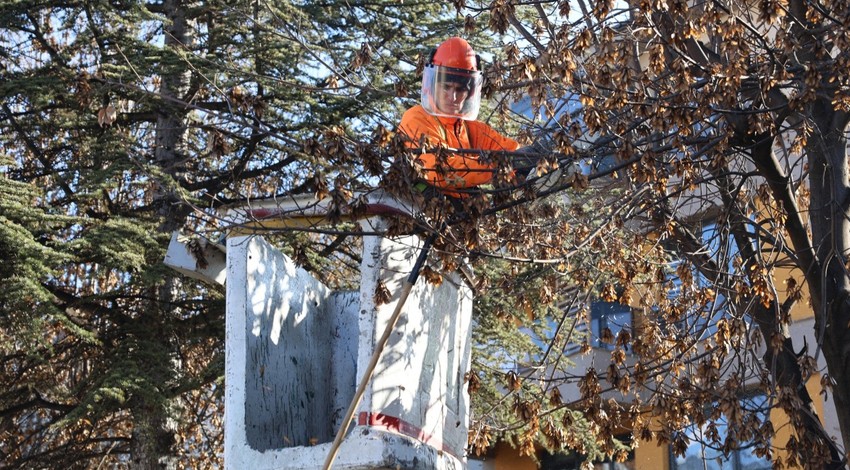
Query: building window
point(610, 316)
point(702, 456)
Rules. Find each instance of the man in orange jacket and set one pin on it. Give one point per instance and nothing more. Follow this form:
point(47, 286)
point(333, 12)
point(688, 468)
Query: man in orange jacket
point(451, 98)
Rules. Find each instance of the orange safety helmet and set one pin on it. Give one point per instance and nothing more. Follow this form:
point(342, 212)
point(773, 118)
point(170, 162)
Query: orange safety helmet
point(455, 52)
point(452, 65)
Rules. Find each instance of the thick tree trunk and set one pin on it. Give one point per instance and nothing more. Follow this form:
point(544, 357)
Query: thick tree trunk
point(830, 224)
point(829, 184)
point(154, 430)
point(153, 437)
point(815, 444)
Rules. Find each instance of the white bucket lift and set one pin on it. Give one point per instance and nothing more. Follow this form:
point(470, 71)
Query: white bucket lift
point(295, 350)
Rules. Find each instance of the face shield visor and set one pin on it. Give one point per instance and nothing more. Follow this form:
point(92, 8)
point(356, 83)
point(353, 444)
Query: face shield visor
point(451, 92)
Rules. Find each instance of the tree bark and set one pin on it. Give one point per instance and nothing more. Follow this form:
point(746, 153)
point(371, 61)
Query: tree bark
point(815, 443)
point(782, 361)
point(830, 223)
point(154, 433)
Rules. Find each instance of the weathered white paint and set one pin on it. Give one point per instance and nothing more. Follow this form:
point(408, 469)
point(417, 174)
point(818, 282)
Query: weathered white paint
point(365, 448)
point(290, 351)
point(420, 377)
point(206, 263)
point(301, 211)
point(295, 351)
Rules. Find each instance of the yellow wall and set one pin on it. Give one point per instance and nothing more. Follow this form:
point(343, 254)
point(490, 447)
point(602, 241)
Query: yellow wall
point(780, 419)
point(649, 455)
point(508, 458)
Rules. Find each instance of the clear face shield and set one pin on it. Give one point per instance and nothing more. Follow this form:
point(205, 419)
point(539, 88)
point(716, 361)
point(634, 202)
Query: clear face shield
point(451, 92)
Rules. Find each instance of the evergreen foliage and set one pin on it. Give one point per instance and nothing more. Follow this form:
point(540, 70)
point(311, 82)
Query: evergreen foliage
point(124, 121)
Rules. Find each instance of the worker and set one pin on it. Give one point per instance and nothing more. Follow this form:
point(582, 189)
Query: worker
point(450, 100)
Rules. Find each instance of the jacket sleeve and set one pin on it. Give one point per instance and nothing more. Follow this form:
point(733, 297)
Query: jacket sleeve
point(486, 138)
point(481, 137)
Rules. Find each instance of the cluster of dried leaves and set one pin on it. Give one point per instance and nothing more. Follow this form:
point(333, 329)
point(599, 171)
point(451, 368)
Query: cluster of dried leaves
point(716, 118)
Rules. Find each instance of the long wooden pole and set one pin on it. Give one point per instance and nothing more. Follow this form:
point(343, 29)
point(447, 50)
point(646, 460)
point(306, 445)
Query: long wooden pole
point(379, 347)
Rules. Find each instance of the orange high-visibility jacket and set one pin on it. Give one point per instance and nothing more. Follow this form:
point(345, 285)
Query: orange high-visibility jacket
point(465, 171)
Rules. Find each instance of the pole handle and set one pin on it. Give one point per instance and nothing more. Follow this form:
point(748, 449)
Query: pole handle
point(379, 347)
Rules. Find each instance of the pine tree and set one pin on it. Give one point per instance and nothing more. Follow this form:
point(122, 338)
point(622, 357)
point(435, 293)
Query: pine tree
point(124, 121)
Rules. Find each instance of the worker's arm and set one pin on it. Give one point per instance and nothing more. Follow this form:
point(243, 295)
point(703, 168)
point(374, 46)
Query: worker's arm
point(486, 138)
